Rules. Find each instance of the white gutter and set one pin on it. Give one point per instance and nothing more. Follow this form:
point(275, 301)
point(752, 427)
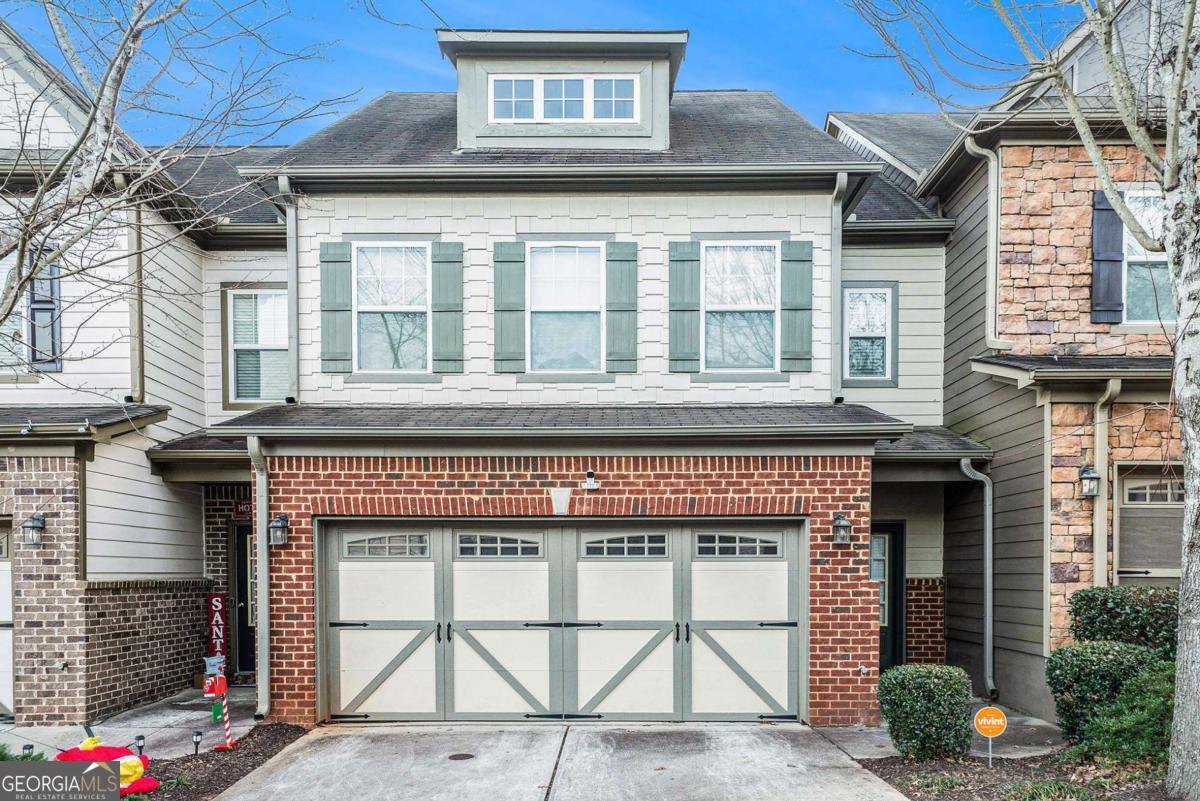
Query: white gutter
point(1100, 507)
point(991, 335)
point(989, 645)
point(835, 256)
point(262, 624)
point(293, 286)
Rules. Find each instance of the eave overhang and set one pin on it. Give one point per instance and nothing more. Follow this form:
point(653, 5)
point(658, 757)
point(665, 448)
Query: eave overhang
point(84, 431)
point(1023, 377)
point(863, 232)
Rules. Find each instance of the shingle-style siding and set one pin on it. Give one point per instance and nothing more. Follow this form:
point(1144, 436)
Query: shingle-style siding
point(479, 221)
point(1009, 420)
point(920, 273)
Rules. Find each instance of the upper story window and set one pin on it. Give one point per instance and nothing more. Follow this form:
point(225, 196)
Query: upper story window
point(258, 344)
point(563, 98)
point(1148, 293)
point(740, 302)
point(566, 301)
point(31, 335)
point(868, 319)
point(391, 307)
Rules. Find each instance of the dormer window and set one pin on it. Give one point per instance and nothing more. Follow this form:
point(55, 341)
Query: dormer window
point(563, 99)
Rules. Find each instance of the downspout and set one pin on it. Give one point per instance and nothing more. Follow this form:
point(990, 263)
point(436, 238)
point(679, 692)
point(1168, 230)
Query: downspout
point(989, 659)
point(293, 286)
point(1100, 506)
point(262, 623)
point(137, 339)
point(835, 275)
point(991, 333)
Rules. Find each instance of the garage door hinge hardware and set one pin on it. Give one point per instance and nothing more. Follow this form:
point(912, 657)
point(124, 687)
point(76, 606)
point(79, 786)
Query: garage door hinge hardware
point(349, 717)
point(1133, 572)
point(567, 624)
point(776, 717)
point(787, 624)
point(341, 624)
point(564, 716)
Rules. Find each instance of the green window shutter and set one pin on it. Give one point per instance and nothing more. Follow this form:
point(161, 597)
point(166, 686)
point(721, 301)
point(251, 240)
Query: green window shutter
point(684, 307)
point(337, 318)
point(620, 300)
point(447, 323)
point(795, 299)
point(509, 290)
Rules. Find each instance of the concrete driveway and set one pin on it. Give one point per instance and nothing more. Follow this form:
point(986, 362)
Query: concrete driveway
point(551, 762)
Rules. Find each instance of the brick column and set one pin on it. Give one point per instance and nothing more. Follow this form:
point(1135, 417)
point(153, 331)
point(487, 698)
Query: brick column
point(49, 618)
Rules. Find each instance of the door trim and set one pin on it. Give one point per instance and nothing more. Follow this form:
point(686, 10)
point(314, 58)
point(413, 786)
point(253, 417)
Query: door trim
point(897, 558)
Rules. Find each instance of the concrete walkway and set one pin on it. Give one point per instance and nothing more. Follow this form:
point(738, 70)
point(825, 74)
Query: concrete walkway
point(167, 726)
point(1026, 737)
point(578, 762)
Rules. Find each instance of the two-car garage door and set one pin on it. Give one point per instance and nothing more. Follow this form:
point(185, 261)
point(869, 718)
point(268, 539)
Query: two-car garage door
point(652, 623)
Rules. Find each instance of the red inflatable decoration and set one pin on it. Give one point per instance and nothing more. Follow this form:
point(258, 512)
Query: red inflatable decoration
point(133, 766)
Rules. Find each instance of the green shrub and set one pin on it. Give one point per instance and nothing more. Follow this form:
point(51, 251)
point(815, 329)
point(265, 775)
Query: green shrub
point(1146, 616)
point(1136, 725)
point(927, 709)
point(1085, 675)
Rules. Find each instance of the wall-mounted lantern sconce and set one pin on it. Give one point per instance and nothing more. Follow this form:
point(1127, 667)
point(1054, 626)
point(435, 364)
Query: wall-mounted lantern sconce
point(277, 531)
point(1089, 481)
point(32, 530)
point(841, 529)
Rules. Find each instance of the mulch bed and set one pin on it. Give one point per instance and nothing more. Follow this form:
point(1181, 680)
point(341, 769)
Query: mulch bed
point(971, 780)
point(204, 775)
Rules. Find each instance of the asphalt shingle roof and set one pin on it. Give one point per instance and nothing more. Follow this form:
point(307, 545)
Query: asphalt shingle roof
point(932, 440)
point(1073, 363)
point(567, 418)
point(210, 178)
point(57, 414)
point(707, 127)
point(917, 139)
point(884, 201)
point(201, 441)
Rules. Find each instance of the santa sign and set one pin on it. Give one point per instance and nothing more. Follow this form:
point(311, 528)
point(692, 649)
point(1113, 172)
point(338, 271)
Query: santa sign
point(218, 645)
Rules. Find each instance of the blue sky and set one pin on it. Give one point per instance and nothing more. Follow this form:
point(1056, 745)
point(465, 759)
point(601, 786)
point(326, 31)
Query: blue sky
point(799, 49)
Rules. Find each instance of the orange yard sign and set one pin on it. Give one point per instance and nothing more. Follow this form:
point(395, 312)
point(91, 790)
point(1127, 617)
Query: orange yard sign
point(990, 721)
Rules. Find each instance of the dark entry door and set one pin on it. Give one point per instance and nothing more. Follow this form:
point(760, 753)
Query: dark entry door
point(887, 568)
point(243, 591)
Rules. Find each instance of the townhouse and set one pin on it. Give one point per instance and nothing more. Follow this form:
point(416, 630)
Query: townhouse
point(569, 394)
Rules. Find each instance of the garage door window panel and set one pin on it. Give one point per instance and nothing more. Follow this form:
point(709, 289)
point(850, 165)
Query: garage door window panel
point(385, 546)
point(498, 546)
point(626, 546)
point(728, 545)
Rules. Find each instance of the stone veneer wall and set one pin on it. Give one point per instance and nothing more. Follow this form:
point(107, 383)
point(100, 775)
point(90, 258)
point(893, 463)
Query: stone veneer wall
point(1045, 275)
point(925, 621)
point(1137, 432)
point(843, 617)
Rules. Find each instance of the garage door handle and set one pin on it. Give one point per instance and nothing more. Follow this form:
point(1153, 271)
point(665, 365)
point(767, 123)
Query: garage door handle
point(676, 632)
point(784, 624)
point(687, 632)
point(439, 632)
point(449, 632)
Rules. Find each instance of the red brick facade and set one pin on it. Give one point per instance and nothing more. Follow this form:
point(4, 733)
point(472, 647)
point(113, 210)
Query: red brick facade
point(843, 605)
point(82, 650)
point(220, 502)
point(924, 621)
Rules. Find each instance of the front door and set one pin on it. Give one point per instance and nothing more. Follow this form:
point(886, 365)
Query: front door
point(243, 592)
point(887, 568)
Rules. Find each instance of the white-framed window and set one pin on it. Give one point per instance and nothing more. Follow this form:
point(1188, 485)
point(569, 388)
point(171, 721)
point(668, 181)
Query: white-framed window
point(497, 546)
point(258, 345)
point(1153, 491)
point(391, 289)
point(739, 296)
point(1148, 293)
point(573, 98)
point(757, 546)
point(867, 319)
point(626, 545)
point(564, 307)
point(408, 545)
